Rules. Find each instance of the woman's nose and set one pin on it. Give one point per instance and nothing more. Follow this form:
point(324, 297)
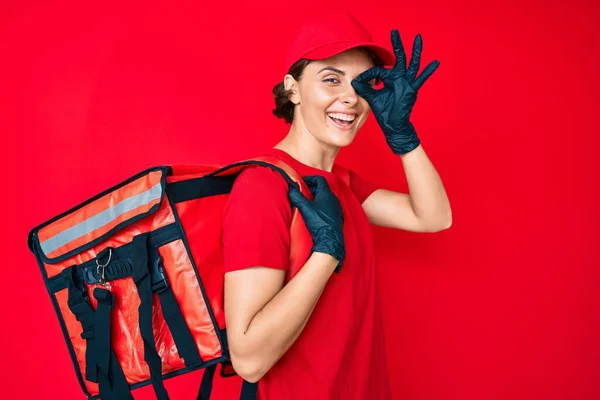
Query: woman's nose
point(349, 96)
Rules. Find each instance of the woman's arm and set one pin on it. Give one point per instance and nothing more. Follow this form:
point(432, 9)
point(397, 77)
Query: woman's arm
point(264, 318)
point(425, 209)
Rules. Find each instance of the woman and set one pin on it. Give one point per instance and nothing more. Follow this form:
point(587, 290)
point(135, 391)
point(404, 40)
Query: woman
point(320, 335)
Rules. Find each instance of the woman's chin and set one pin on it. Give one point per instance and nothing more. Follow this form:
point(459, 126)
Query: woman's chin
point(341, 138)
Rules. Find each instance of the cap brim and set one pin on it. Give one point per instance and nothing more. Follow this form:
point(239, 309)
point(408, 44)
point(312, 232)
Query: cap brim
point(332, 49)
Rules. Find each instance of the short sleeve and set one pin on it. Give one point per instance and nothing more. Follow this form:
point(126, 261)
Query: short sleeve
point(256, 221)
point(361, 187)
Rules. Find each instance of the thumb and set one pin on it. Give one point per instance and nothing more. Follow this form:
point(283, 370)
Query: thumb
point(298, 200)
point(364, 90)
point(361, 82)
point(316, 184)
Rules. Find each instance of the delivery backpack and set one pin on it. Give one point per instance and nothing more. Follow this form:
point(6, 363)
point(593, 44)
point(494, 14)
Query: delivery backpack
point(136, 277)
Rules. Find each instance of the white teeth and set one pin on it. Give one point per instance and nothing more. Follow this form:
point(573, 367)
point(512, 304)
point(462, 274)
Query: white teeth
point(343, 117)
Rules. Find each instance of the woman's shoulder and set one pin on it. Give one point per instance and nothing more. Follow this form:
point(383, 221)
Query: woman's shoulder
point(259, 187)
point(262, 177)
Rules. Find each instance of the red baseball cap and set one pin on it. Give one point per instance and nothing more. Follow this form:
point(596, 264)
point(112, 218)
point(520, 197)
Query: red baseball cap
point(325, 36)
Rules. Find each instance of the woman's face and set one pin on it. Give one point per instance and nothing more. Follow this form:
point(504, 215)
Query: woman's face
point(326, 104)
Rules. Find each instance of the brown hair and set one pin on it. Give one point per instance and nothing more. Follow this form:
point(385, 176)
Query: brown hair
point(284, 108)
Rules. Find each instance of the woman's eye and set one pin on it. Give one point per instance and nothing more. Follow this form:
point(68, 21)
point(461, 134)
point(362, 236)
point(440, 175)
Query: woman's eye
point(331, 80)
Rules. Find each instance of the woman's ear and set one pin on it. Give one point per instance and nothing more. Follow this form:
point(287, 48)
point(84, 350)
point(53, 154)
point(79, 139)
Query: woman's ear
point(289, 83)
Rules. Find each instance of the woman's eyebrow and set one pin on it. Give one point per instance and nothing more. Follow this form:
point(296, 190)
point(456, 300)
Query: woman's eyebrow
point(339, 71)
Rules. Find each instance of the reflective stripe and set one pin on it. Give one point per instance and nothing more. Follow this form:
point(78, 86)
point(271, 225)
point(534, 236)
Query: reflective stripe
point(100, 219)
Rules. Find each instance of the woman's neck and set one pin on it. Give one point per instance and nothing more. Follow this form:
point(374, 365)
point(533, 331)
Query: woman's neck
point(304, 147)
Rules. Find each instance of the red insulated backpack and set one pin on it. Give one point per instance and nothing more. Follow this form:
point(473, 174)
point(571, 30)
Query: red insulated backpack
point(136, 277)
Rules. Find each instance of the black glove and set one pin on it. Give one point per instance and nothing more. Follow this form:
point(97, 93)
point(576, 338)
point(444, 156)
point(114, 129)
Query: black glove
point(393, 104)
point(322, 216)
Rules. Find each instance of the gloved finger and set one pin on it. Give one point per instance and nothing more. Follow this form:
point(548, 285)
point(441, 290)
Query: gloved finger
point(361, 82)
point(364, 90)
point(316, 184)
point(427, 72)
point(398, 51)
point(311, 183)
point(415, 60)
point(298, 200)
point(371, 73)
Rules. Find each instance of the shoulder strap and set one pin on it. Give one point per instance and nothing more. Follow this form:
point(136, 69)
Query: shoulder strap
point(287, 172)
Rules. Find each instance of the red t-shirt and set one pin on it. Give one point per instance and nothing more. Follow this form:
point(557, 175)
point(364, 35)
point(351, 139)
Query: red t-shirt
point(340, 354)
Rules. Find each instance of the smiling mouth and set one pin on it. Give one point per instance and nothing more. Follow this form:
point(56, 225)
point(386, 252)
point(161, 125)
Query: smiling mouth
point(343, 121)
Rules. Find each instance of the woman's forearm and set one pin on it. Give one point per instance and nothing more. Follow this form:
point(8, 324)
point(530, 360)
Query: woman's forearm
point(427, 194)
point(275, 328)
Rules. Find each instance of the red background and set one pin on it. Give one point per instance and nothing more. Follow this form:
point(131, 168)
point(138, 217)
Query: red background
point(504, 305)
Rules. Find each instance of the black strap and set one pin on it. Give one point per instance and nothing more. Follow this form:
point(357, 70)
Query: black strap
point(102, 365)
point(184, 341)
point(102, 335)
point(141, 277)
point(207, 383)
point(249, 390)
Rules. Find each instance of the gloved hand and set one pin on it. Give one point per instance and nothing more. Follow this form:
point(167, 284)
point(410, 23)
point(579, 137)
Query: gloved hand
point(393, 104)
point(322, 216)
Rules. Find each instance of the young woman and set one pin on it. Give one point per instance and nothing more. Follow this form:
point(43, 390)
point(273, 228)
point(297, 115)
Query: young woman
point(319, 336)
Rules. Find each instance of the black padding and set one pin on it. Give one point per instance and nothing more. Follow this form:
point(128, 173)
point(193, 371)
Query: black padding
point(199, 187)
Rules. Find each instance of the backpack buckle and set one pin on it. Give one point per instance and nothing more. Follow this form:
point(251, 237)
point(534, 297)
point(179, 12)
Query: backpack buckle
point(157, 274)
